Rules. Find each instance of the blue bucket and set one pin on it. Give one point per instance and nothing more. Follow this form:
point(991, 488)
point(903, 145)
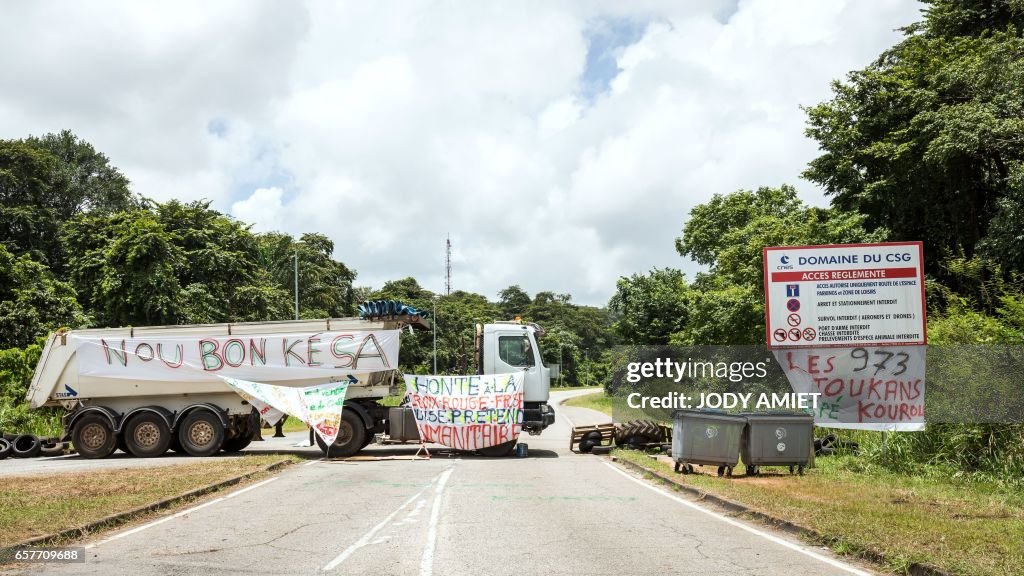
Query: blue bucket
point(522, 450)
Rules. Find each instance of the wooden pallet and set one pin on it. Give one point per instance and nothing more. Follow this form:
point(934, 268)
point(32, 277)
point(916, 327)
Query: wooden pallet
point(607, 434)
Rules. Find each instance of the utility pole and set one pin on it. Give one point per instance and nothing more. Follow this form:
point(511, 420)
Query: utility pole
point(296, 281)
point(433, 326)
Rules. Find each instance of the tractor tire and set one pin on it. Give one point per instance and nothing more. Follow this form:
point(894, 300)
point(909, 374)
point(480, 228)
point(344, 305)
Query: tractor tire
point(636, 433)
point(201, 433)
point(5, 448)
point(27, 446)
point(93, 437)
point(351, 435)
point(601, 450)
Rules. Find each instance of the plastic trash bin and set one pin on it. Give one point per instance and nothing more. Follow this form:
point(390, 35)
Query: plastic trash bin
point(777, 439)
point(706, 438)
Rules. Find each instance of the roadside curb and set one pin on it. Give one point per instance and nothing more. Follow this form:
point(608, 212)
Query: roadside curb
point(122, 517)
point(914, 569)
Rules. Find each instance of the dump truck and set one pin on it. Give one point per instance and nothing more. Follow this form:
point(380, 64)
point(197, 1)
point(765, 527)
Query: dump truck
point(146, 390)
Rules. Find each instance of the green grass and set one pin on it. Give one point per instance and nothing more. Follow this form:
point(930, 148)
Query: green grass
point(971, 528)
point(36, 505)
point(596, 401)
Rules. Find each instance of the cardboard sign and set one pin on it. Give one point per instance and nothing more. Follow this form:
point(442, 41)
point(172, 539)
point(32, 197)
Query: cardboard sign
point(467, 412)
point(319, 406)
point(867, 388)
point(251, 357)
point(845, 295)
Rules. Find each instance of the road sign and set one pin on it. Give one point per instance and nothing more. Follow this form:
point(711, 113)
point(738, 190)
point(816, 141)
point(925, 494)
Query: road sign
point(849, 295)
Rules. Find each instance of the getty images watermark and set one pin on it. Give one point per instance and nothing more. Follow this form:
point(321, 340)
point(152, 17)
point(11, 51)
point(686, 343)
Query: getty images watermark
point(668, 369)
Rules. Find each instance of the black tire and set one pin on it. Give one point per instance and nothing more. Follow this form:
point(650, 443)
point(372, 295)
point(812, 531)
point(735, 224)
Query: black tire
point(9, 437)
point(351, 435)
point(237, 443)
point(500, 450)
point(53, 449)
point(201, 433)
point(26, 446)
point(147, 435)
point(93, 436)
point(5, 448)
point(601, 450)
point(589, 440)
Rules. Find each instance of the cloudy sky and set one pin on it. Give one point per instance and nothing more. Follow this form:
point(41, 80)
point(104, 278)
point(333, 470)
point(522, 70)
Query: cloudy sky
point(560, 144)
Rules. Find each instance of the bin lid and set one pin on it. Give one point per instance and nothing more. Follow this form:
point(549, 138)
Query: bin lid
point(707, 414)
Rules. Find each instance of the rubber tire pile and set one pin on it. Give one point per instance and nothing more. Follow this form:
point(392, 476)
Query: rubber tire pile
point(30, 446)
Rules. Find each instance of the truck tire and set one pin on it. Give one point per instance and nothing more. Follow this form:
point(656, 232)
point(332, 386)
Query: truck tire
point(52, 449)
point(201, 433)
point(351, 436)
point(93, 437)
point(5, 448)
point(147, 435)
point(498, 451)
point(26, 446)
point(245, 432)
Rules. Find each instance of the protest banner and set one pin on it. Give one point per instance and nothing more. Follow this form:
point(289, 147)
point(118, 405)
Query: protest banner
point(867, 388)
point(467, 412)
point(251, 357)
point(319, 406)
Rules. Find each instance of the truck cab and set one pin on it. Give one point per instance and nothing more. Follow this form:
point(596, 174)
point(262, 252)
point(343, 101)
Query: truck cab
point(504, 347)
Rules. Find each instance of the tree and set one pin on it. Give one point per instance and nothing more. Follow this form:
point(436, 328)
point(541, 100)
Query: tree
point(926, 141)
point(126, 268)
point(651, 307)
point(32, 301)
point(27, 222)
point(325, 285)
point(727, 234)
point(513, 301)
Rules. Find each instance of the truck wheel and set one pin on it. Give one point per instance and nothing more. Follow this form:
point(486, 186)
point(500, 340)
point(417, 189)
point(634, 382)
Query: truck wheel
point(147, 435)
point(351, 435)
point(5, 448)
point(93, 437)
point(500, 450)
point(201, 434)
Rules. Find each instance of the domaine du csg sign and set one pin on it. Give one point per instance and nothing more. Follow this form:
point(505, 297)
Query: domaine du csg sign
point(845, 295)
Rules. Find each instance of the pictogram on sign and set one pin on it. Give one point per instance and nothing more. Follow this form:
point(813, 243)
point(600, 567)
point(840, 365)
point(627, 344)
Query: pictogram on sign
point(810, 334)
point(780, 335)
point(792, 305)
point(793, 319)
point(794, 334)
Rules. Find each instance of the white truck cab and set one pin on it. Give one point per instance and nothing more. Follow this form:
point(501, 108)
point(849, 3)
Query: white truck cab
point(504, 347)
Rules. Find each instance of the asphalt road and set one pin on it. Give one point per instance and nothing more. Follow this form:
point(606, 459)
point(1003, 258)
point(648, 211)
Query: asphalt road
point(554, 513)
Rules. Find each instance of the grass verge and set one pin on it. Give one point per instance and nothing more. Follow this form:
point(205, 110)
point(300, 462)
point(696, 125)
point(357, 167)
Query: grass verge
point(965, 528)
point(596, 401)
point(36, 505)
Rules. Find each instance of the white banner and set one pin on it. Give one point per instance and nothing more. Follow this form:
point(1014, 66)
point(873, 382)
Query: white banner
point(319, 406)
point(866, 388)
point(252, 357)
point(467, 412)
point(845, 295)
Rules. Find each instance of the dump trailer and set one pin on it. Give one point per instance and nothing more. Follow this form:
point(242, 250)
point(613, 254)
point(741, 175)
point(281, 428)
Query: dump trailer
point(146, 390)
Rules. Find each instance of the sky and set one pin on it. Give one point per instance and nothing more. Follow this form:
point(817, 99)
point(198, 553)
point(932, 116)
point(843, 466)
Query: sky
point(560, 145)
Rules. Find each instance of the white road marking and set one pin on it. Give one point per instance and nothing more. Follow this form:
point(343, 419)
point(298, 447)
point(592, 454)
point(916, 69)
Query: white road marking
point(427, 562)
point(247, 488)
point(138, 529)
point(157, 522)
point(795, 547)
point(373, 531)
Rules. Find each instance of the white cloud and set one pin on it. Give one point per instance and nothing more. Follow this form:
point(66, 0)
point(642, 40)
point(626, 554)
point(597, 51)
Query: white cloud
point(389, 126)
